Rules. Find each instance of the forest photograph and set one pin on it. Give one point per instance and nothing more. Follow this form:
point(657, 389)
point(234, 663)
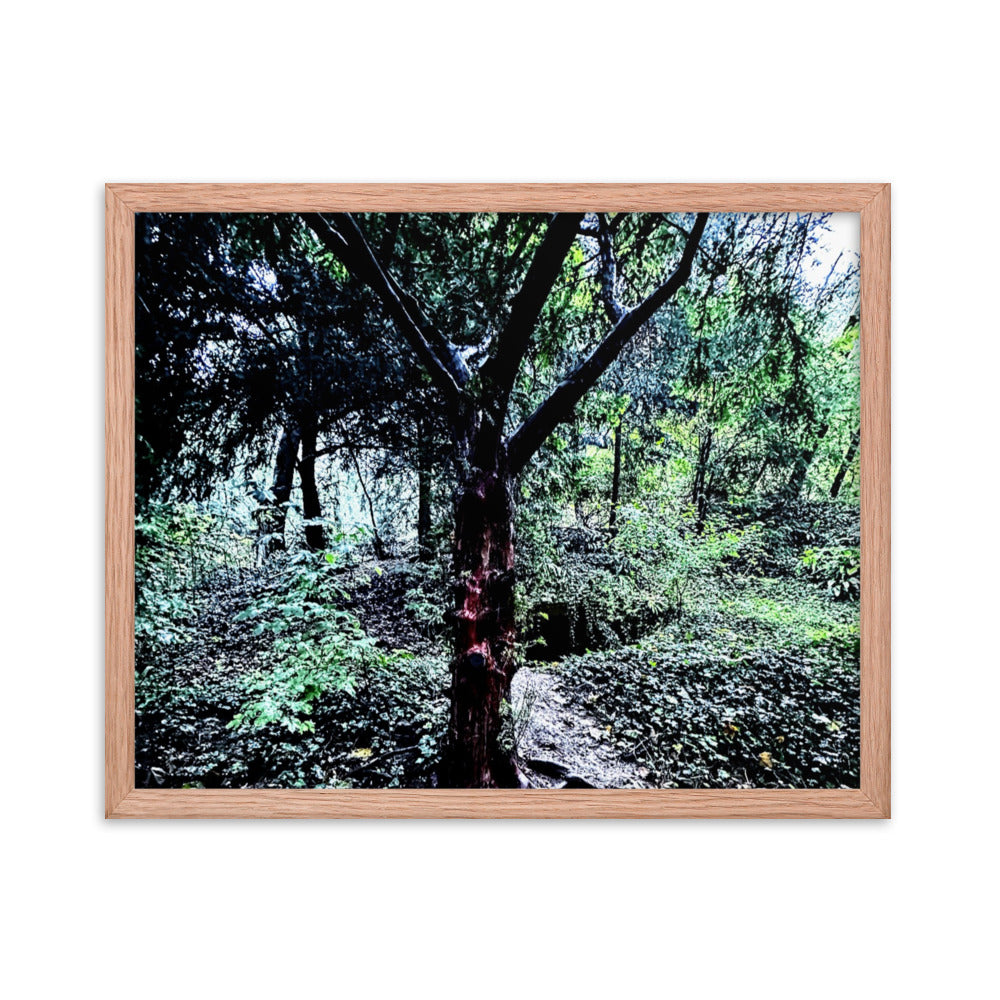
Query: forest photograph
point(497, 500)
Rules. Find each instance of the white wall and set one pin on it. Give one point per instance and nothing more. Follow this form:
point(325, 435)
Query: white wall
point(500, 91)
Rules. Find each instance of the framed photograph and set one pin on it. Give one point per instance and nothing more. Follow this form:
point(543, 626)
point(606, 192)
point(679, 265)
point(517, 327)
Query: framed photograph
point(464, 500)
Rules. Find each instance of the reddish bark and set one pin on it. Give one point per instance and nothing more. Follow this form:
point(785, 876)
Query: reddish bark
point(483, 664)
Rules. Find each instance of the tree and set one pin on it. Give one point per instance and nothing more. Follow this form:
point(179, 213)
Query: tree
point(761, 380)
point(248, 353)
point(845, 465)
point(475, 401)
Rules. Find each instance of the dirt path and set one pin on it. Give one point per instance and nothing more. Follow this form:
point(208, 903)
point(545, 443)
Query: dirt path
point(561, 746)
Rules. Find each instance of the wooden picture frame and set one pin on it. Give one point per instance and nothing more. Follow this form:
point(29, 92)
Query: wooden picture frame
point(871, 800)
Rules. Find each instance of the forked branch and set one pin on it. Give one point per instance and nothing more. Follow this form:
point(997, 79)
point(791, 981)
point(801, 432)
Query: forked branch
point(560, 404)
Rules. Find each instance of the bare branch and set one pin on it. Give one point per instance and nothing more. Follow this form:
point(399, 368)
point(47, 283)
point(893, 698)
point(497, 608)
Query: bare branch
point(560, 404)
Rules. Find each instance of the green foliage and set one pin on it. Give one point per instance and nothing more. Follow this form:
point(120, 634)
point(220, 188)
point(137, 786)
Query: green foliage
point(317, 645)
point(427, 598)
point(285, 694)
point(756, 686)
point(165, 535)
point(400, 705)
point(836, 568)
point(790, 614)
point(665, 556)
point(515, 718)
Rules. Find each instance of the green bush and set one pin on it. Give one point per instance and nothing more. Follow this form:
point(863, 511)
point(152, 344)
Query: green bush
point(165, 533)
point(836, 568)
point(317, 645)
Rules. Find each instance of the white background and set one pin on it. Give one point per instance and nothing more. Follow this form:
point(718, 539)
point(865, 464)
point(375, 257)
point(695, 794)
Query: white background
point(500, 91)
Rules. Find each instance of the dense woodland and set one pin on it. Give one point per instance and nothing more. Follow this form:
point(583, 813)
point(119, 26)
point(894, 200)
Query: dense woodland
point(515, 500)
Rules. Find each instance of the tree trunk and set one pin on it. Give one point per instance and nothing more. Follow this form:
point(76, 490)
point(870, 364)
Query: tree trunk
point(798, 477)
point(311, 510)
point(699, 493)
point(845, 465)
point(616, 481)
point(424, 550)
point(578, 452)
point(478, 755)
point(273, 521)
point(377, 544)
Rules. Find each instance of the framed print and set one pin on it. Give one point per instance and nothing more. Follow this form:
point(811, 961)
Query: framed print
point(537, 500)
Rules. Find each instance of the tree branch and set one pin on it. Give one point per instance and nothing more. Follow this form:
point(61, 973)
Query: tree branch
point(608, 270)
point(499, 373)
point(560, 404)
point(345, 241)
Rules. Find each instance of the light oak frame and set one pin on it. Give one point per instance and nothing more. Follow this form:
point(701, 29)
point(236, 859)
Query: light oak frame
point(123, 799)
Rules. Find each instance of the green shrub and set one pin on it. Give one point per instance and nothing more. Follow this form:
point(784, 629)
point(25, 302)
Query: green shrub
point(836, 568)
point(165, 533)
point(317, 645)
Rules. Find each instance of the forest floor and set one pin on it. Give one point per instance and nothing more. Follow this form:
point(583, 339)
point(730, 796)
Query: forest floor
point(755, 686)
point(184, 711)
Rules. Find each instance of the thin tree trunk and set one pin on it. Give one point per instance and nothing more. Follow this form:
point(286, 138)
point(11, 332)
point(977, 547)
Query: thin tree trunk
point(699, 494)
point(845, 465)
point(760, 473)
point(483, 664)
point(311, 509)
point(273, 521)
point(388, 244)
point(377, 543)
point(577, 451)
point(616, 480)
point(424, 550)
point(798, 477)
